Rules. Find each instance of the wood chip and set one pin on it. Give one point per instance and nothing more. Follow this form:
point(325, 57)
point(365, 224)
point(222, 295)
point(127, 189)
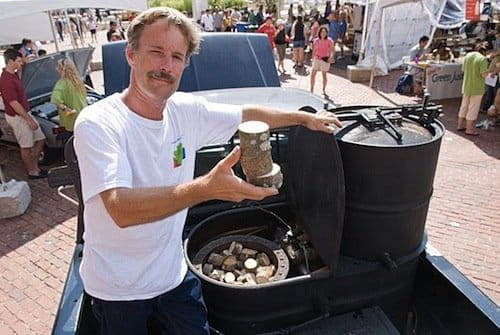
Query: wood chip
point(215, 259)
point(235, 248)
point(250, 264)
point(229, 277)
point(261, 278)
point(249, 252)
point(208, 268)
point(263, 259)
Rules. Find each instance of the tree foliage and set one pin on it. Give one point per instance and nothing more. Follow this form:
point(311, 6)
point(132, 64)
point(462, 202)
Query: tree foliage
point(181, 5)
point(226, 3)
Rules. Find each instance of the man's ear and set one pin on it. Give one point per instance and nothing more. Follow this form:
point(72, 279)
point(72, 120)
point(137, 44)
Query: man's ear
point(129, 55)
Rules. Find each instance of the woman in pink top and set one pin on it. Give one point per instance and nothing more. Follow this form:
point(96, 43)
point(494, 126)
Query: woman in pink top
point(322, 54)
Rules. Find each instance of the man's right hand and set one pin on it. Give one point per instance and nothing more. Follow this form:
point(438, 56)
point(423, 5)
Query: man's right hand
point(31, 123)
point(223, 184)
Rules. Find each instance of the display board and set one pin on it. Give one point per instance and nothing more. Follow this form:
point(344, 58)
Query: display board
point(444, 81)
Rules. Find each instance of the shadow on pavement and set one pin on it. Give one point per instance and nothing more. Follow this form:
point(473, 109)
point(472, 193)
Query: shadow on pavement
point(487, 141)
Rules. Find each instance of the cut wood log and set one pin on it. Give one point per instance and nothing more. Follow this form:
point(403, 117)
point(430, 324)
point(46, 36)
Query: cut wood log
point(238, 265)
point(250, 264)
point(235, 248)
point(261, 278)
point(249, 252)
point(230, 260)
point(258, 165)
point(250, 279)
point(256, 159)
point(268, 270)
point(215, 259)
point(273, 178)
point(263, 259)
point(208, 268)
point(217, 275)
point(229, 277)
point(254, 137)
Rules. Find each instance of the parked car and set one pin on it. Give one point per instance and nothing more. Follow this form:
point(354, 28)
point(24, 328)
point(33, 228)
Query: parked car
point(39, 77)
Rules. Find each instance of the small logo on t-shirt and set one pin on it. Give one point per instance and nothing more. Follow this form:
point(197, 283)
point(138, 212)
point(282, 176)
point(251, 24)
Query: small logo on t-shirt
point(179, 155)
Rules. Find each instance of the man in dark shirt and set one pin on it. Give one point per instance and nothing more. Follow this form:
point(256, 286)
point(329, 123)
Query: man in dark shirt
point(26, 129)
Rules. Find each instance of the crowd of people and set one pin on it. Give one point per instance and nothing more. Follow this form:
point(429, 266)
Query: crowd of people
point(317, 33)
point(78, 27)
point(480, 67)
point(300, 32)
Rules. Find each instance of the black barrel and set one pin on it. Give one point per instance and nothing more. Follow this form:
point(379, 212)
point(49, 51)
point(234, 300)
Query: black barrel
point(389, 161)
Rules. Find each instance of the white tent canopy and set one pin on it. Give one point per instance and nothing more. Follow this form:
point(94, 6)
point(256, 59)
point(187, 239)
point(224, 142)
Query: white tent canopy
point(28, 18)
point(396, 25)
point(13, 8)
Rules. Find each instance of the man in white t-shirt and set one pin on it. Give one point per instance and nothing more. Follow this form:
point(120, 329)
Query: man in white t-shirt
point(136, 154)
point(207, 21)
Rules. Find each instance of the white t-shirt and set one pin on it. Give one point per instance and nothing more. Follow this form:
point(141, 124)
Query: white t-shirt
point(118, 148)
point(208, 22)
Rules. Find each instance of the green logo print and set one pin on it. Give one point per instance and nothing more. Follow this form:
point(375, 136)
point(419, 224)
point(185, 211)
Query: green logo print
point(179, 155)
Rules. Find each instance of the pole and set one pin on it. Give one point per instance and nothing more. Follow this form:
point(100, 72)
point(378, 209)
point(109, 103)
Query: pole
point(375, 54)
point(363, 32)
point(70, 29)
point(49, 13)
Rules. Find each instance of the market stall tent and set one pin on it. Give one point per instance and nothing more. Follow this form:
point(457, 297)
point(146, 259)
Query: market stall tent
point(394, 27)
point(28, 18)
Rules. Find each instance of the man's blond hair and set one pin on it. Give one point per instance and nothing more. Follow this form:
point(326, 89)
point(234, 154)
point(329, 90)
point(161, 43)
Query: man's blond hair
point(173, 17)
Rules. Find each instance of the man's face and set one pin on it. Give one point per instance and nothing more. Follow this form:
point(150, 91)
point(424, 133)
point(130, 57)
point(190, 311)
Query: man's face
point(159, 60)
point(16, 64)
point(422, 44)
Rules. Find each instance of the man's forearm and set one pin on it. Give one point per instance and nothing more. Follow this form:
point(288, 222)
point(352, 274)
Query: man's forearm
point(19, 109)
point(276, 118)
point(130, 207)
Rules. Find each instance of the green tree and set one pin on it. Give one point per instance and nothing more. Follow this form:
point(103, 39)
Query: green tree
point(226, 3)
point(181, 5)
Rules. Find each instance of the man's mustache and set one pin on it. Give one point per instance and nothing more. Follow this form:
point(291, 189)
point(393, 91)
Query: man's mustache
point(162, 75)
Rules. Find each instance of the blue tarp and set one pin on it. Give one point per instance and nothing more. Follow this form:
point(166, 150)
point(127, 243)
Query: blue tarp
point(453, 13)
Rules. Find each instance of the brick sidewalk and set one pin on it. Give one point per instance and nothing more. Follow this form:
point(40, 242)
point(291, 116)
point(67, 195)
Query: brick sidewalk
point(463, 222)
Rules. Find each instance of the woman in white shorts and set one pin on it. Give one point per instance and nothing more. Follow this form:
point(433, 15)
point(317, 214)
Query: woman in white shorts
point(322, 54)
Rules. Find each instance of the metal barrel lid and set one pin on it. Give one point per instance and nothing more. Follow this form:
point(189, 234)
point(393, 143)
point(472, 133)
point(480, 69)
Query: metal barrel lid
point(387, 127)
point(315, 178)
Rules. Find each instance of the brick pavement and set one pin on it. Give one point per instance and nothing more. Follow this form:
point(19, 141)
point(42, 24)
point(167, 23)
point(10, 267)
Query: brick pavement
point(463, 222)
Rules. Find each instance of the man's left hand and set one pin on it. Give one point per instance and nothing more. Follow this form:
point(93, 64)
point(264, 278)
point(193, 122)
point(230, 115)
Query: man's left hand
point(323, 121)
